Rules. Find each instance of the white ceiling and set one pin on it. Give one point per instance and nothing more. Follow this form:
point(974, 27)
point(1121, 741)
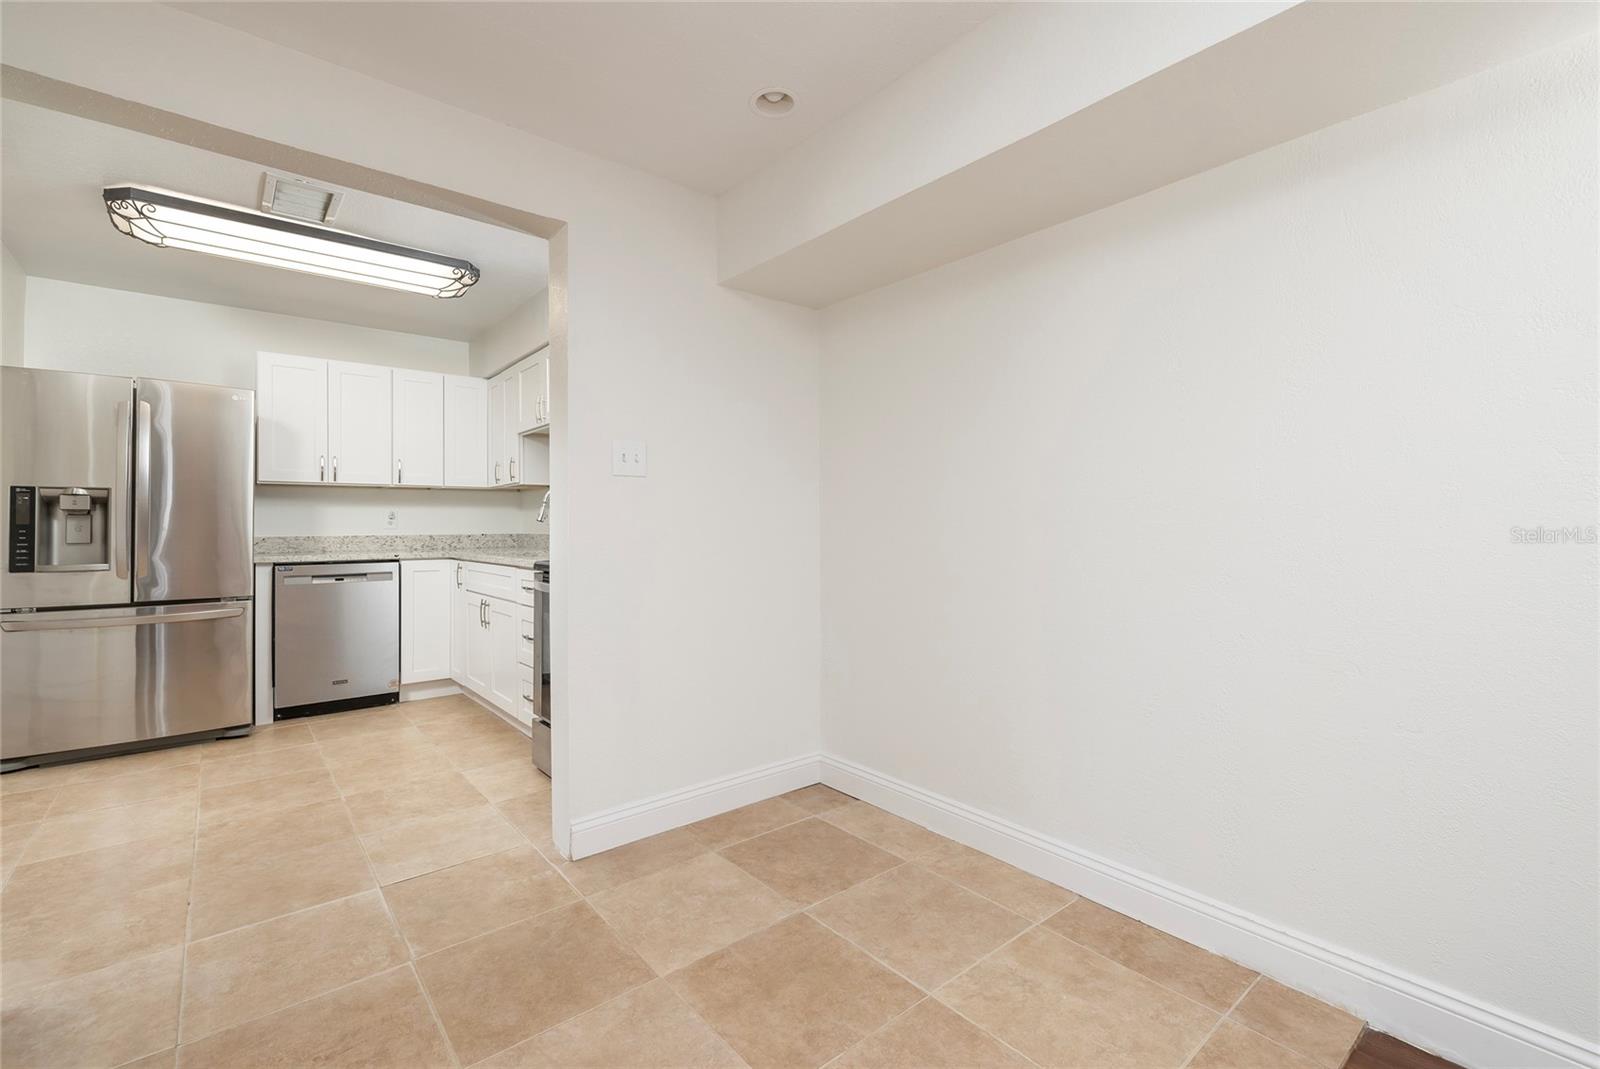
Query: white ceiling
point(53, 220)
point(664, 87)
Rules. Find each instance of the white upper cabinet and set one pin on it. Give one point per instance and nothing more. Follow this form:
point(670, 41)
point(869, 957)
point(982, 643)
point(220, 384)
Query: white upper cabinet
point(359, 446)
point(292, 418)
point(511, 437)
point(418, 428)
point(466, 434)
point(329, 421)
point(533, 394)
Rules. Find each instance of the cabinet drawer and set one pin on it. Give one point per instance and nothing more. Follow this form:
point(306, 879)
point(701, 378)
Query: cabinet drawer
point(525, 589)
point(525, 696)
point(526, 637)
point(491, 580)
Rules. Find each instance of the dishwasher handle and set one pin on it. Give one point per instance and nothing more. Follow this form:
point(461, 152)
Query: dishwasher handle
point(349, 577)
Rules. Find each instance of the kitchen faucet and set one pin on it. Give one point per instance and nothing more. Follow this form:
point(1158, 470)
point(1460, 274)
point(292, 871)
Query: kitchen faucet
point(544, 508)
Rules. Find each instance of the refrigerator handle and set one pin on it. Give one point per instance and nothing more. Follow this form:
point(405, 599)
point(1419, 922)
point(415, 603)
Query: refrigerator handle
point(119, 514)
point(141, 492)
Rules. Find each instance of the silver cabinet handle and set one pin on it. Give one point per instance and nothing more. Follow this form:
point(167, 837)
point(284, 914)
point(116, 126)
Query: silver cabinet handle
point(527, 697)
point(398, 477)
point(512, 465)
point(497, 471)
point(458, 574)
point(322, 469)
point(527, 638)
point(335, 469)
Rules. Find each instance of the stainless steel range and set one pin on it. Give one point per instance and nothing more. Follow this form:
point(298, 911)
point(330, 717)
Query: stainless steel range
point(125, 602)
point(541, 671)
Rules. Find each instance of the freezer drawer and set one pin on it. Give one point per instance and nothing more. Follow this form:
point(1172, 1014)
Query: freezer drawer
point(75, 679)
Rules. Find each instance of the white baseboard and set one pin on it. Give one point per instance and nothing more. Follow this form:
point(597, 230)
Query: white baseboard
point(436, 688)
point(651, 816)
point(1452, 1025)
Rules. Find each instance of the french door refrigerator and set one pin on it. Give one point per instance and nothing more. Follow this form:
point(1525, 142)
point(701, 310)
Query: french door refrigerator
point(126, 596)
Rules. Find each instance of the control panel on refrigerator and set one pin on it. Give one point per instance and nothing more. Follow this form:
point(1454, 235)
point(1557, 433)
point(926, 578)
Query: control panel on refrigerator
point(19, 551)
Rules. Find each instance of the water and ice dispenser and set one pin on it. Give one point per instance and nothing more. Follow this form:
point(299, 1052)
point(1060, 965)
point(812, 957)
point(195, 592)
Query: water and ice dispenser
point(60, 529)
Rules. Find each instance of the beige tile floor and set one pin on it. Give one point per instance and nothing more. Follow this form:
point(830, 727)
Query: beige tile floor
point(379, 889)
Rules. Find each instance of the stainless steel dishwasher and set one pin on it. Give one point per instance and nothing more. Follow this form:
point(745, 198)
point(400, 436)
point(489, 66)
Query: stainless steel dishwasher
point(335, 637)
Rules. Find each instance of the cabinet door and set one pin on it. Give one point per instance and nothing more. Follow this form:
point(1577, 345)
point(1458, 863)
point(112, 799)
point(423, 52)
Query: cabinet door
point(418, 428)
point(426, 590)
point(292, 418)
point(542, 383)
point(497, 432)
point(466, 431)
point(503, 667)
point(533, 385)
point(473, 610)
point(511, 443)
point(463, 617)
point(359, 424)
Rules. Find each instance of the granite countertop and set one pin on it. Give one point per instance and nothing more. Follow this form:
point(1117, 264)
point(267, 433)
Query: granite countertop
point(510, 550)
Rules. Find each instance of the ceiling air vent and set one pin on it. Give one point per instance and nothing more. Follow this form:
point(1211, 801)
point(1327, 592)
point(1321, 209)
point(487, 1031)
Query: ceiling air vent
point(298, 199)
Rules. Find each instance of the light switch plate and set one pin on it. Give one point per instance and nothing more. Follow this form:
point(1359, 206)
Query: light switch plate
point(630, 459)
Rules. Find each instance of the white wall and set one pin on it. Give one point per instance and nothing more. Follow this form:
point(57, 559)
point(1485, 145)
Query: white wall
point(320, 510)
point(524, 329)
point(1180, 533)
point(73, 327)
point(118, 332)
point(13, 308)
point(690, 598)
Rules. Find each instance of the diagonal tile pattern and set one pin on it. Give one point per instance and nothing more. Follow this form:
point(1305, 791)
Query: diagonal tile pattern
point(380, 888)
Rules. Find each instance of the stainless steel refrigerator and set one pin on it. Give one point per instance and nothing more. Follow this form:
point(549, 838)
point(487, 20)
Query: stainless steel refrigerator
point(125, 601)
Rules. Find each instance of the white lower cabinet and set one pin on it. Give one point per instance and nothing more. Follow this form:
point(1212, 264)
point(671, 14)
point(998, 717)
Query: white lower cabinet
point(426, 591)
point(503, 667)
point(461, 620)
point(473, 672)
point(487, 634)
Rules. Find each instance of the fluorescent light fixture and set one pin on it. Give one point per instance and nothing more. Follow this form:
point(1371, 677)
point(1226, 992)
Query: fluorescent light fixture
point(173, 221)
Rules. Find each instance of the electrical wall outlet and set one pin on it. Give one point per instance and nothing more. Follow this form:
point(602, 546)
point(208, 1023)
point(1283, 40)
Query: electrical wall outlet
point(392, 519)
point(630, 459)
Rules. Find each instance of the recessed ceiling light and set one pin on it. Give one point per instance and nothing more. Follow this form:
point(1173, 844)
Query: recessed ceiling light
point(174, 221)
point(773, 103)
